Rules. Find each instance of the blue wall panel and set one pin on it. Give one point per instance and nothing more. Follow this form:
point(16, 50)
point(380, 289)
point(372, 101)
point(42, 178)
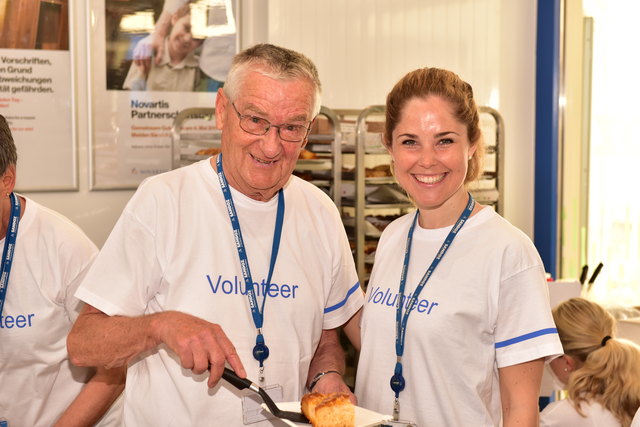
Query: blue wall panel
point(547, 116)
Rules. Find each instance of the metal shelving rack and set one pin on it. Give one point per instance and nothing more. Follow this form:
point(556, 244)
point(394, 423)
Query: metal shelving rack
point(317, 143)
point(489, 189)
point(362, 208)
point(186, 142)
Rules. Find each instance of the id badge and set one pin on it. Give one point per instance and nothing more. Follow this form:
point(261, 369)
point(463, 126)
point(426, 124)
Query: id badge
point(398, 424)
point(252, 410)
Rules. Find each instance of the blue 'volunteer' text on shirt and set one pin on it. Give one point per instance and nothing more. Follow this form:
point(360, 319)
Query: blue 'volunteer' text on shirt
point(237, 287)
point(18, 321)
point(389, 298)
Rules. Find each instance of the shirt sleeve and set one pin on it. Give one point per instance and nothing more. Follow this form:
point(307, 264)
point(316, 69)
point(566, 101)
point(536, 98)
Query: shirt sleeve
point(74, 257)
point(346, 296)
point(525, 329)
point(127, 272)
point(73, 305)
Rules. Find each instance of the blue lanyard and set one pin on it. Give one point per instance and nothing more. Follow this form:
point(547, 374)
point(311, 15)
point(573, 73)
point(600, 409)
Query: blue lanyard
point(397, 381)
point(9, 248)
point(260, 351)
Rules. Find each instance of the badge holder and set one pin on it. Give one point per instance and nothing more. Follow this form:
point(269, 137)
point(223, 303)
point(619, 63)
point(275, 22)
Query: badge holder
point(399, 424)
point(252, 410)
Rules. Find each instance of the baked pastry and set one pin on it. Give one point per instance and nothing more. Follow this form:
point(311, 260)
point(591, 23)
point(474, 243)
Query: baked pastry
point(328, 410)
point(378, 171)
point(208, 151)
point(309, 402)
point(306, 154)
point(335, 411)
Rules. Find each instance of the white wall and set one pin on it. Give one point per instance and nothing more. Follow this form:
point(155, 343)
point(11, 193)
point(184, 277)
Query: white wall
point(362, 47)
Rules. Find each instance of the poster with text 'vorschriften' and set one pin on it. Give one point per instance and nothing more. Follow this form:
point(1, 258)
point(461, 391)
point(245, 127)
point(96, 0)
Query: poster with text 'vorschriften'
point(148, 62)
point(36, 98)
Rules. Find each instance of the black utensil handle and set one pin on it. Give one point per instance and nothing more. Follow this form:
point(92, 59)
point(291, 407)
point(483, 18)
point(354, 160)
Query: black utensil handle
point(242, 383)
point(236, 381)
point(595, 273)
point(583, 274)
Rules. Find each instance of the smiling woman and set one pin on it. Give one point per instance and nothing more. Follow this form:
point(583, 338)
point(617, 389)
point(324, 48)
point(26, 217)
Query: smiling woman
point(475, 284)
point(431, 152)
point(433, 135)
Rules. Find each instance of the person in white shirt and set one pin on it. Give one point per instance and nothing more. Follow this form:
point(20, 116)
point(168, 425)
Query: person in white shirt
point(601, 372)
point(45, 257)
point(456, 324)
point(214, 260)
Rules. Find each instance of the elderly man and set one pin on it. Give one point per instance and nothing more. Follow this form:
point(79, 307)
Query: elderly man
point(207, 266)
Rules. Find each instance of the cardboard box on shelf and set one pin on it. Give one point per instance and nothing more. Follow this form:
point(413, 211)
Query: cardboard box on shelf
point(322, 126)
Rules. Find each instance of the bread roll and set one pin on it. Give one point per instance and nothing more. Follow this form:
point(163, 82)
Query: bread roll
point(328, 410)
point(307, 155)
point(378, 171)
point(308, 404)
point(208, 151)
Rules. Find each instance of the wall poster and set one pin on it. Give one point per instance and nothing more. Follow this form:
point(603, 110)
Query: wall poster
point(188, 46)
point(37, 92)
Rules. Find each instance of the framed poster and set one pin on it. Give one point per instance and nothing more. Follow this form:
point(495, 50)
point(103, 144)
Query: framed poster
point(37, 92)
point(188, 46)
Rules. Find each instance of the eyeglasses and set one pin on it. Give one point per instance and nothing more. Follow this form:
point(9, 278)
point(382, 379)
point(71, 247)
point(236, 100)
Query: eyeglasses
point(259, 126)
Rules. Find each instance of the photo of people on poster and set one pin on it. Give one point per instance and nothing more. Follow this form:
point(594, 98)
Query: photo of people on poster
point(169, 45)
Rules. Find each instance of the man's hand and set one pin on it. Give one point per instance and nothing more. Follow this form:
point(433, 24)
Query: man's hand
point(97, 339)
point(145, 50)
point(199, 344)
point(153, 43)
point(333, 382)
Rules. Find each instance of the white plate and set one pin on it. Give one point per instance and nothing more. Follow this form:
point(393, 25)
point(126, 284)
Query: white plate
point(364, 417)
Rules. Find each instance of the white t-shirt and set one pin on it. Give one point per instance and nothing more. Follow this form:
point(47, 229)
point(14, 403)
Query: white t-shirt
point(173, 249)
point(37, 381)
point(636, 419)
point(563, 414)
point(484, 307)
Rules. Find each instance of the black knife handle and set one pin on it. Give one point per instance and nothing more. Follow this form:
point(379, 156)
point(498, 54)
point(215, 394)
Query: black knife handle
point(236, 381)
point(583, 274)
point(595, 273)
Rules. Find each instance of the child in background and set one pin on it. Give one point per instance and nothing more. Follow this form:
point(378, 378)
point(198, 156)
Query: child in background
point(602, 372)
point(178, 69)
